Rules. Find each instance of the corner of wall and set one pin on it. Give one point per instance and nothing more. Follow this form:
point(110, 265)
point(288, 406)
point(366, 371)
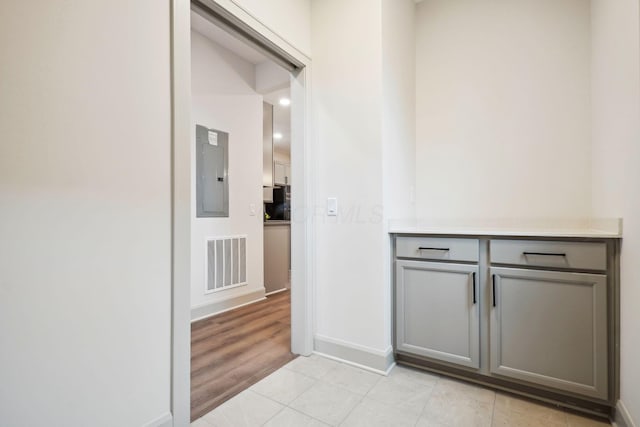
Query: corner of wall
point(622, 417)
point(353, 354)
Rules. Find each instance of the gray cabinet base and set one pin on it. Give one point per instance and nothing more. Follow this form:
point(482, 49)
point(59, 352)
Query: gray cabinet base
point(574, 403)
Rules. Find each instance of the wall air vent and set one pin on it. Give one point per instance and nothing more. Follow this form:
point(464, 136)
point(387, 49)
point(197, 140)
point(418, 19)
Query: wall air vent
point(226, 265)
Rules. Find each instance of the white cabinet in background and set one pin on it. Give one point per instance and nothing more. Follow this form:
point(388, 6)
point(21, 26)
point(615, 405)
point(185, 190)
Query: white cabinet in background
point(281, 174)
point(267, 145)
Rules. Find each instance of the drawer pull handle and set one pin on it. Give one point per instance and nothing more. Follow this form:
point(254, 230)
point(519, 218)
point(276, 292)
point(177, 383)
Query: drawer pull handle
point(494, 289)
point(474, 289)
point(544, 254)
point(433, 249)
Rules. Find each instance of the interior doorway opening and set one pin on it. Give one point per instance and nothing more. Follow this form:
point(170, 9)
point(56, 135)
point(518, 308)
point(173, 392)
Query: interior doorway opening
point(241, 196)
point(277, 184)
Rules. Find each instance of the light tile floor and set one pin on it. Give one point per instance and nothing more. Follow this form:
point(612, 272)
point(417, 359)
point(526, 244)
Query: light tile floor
point(315, 391)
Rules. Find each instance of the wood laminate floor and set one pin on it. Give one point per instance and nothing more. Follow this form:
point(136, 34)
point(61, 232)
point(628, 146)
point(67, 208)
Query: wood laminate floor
point(234, 350)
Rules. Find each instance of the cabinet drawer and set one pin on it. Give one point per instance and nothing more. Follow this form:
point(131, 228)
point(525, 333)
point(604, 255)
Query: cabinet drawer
point(578, 255)
point(438, 248)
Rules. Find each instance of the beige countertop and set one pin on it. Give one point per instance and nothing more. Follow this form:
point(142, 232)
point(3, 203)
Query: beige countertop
point(576, 228)
point(272, 222)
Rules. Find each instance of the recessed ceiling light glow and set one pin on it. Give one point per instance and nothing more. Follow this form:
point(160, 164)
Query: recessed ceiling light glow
point(285, 102)
point(277, 135)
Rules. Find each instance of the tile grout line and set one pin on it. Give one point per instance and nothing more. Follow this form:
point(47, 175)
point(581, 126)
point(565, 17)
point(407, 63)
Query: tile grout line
point(427, 401)
point(322, 380)
point(493, 408)
point(362, 397)
point(268, 398)
point(276, 414)
point(374, 386)
point(310, 416)
point(351, 410)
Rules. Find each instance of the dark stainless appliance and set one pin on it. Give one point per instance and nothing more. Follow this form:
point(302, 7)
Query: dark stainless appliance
point(280, 209)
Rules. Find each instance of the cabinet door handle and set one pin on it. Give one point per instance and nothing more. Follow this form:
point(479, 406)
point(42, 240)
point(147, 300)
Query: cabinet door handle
point(544, 254)
point(494, 289)
point(474, 288)
point(433, 249)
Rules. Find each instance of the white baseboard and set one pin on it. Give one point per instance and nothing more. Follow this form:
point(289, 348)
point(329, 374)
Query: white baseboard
point(276, 292)
point(203, 311)
point(371, 359)
point(164, 420)
point(622, 416)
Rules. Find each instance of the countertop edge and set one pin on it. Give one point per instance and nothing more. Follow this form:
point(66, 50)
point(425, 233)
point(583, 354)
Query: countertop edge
point(275, 222)
point(588, 234)
point(586, 228)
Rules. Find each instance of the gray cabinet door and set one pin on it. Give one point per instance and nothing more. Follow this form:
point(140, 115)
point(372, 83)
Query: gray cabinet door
point(277, 256)
point(550, 328)
point(437, 311)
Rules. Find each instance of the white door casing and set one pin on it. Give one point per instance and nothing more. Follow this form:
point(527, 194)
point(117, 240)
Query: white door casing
point(302, 230)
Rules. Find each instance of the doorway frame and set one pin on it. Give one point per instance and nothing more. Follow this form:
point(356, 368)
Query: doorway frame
point(302, 223)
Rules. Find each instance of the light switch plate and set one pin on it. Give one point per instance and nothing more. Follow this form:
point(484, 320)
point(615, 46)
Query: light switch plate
point(332, 206)
point(252, 209)
point(212, 137)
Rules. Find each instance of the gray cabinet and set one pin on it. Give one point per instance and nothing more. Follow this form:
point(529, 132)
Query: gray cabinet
point(437, 311)
point(550, 328)
point(528, 314)
point(438, 248)
point(277, 256)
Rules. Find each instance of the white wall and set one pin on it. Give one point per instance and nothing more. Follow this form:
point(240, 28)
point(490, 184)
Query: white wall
point(290, 19)
point(271, 77)
point(224, 98)
point(503, 109)
point(282, 157)
point(347, 90)
point(398, 106)
point(85, 291)
point(398, 121)
point(363, 106)
point(616, 155)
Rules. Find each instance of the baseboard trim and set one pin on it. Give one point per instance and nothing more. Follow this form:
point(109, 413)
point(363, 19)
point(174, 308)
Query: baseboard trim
point(203, 311)
point(164, 420)
point(622, 417)
point(363, 357)
point(276, 292)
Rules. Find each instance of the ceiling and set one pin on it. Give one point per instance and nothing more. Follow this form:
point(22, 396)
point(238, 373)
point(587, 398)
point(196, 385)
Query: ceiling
point(281, 115)
point(226, 40)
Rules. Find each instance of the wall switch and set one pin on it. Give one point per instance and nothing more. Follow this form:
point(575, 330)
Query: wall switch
point(252, 209)
point(212, 137)
point(332, 206)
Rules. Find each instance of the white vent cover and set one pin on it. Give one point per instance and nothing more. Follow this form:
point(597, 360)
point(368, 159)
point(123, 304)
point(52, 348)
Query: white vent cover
point(226, 265)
